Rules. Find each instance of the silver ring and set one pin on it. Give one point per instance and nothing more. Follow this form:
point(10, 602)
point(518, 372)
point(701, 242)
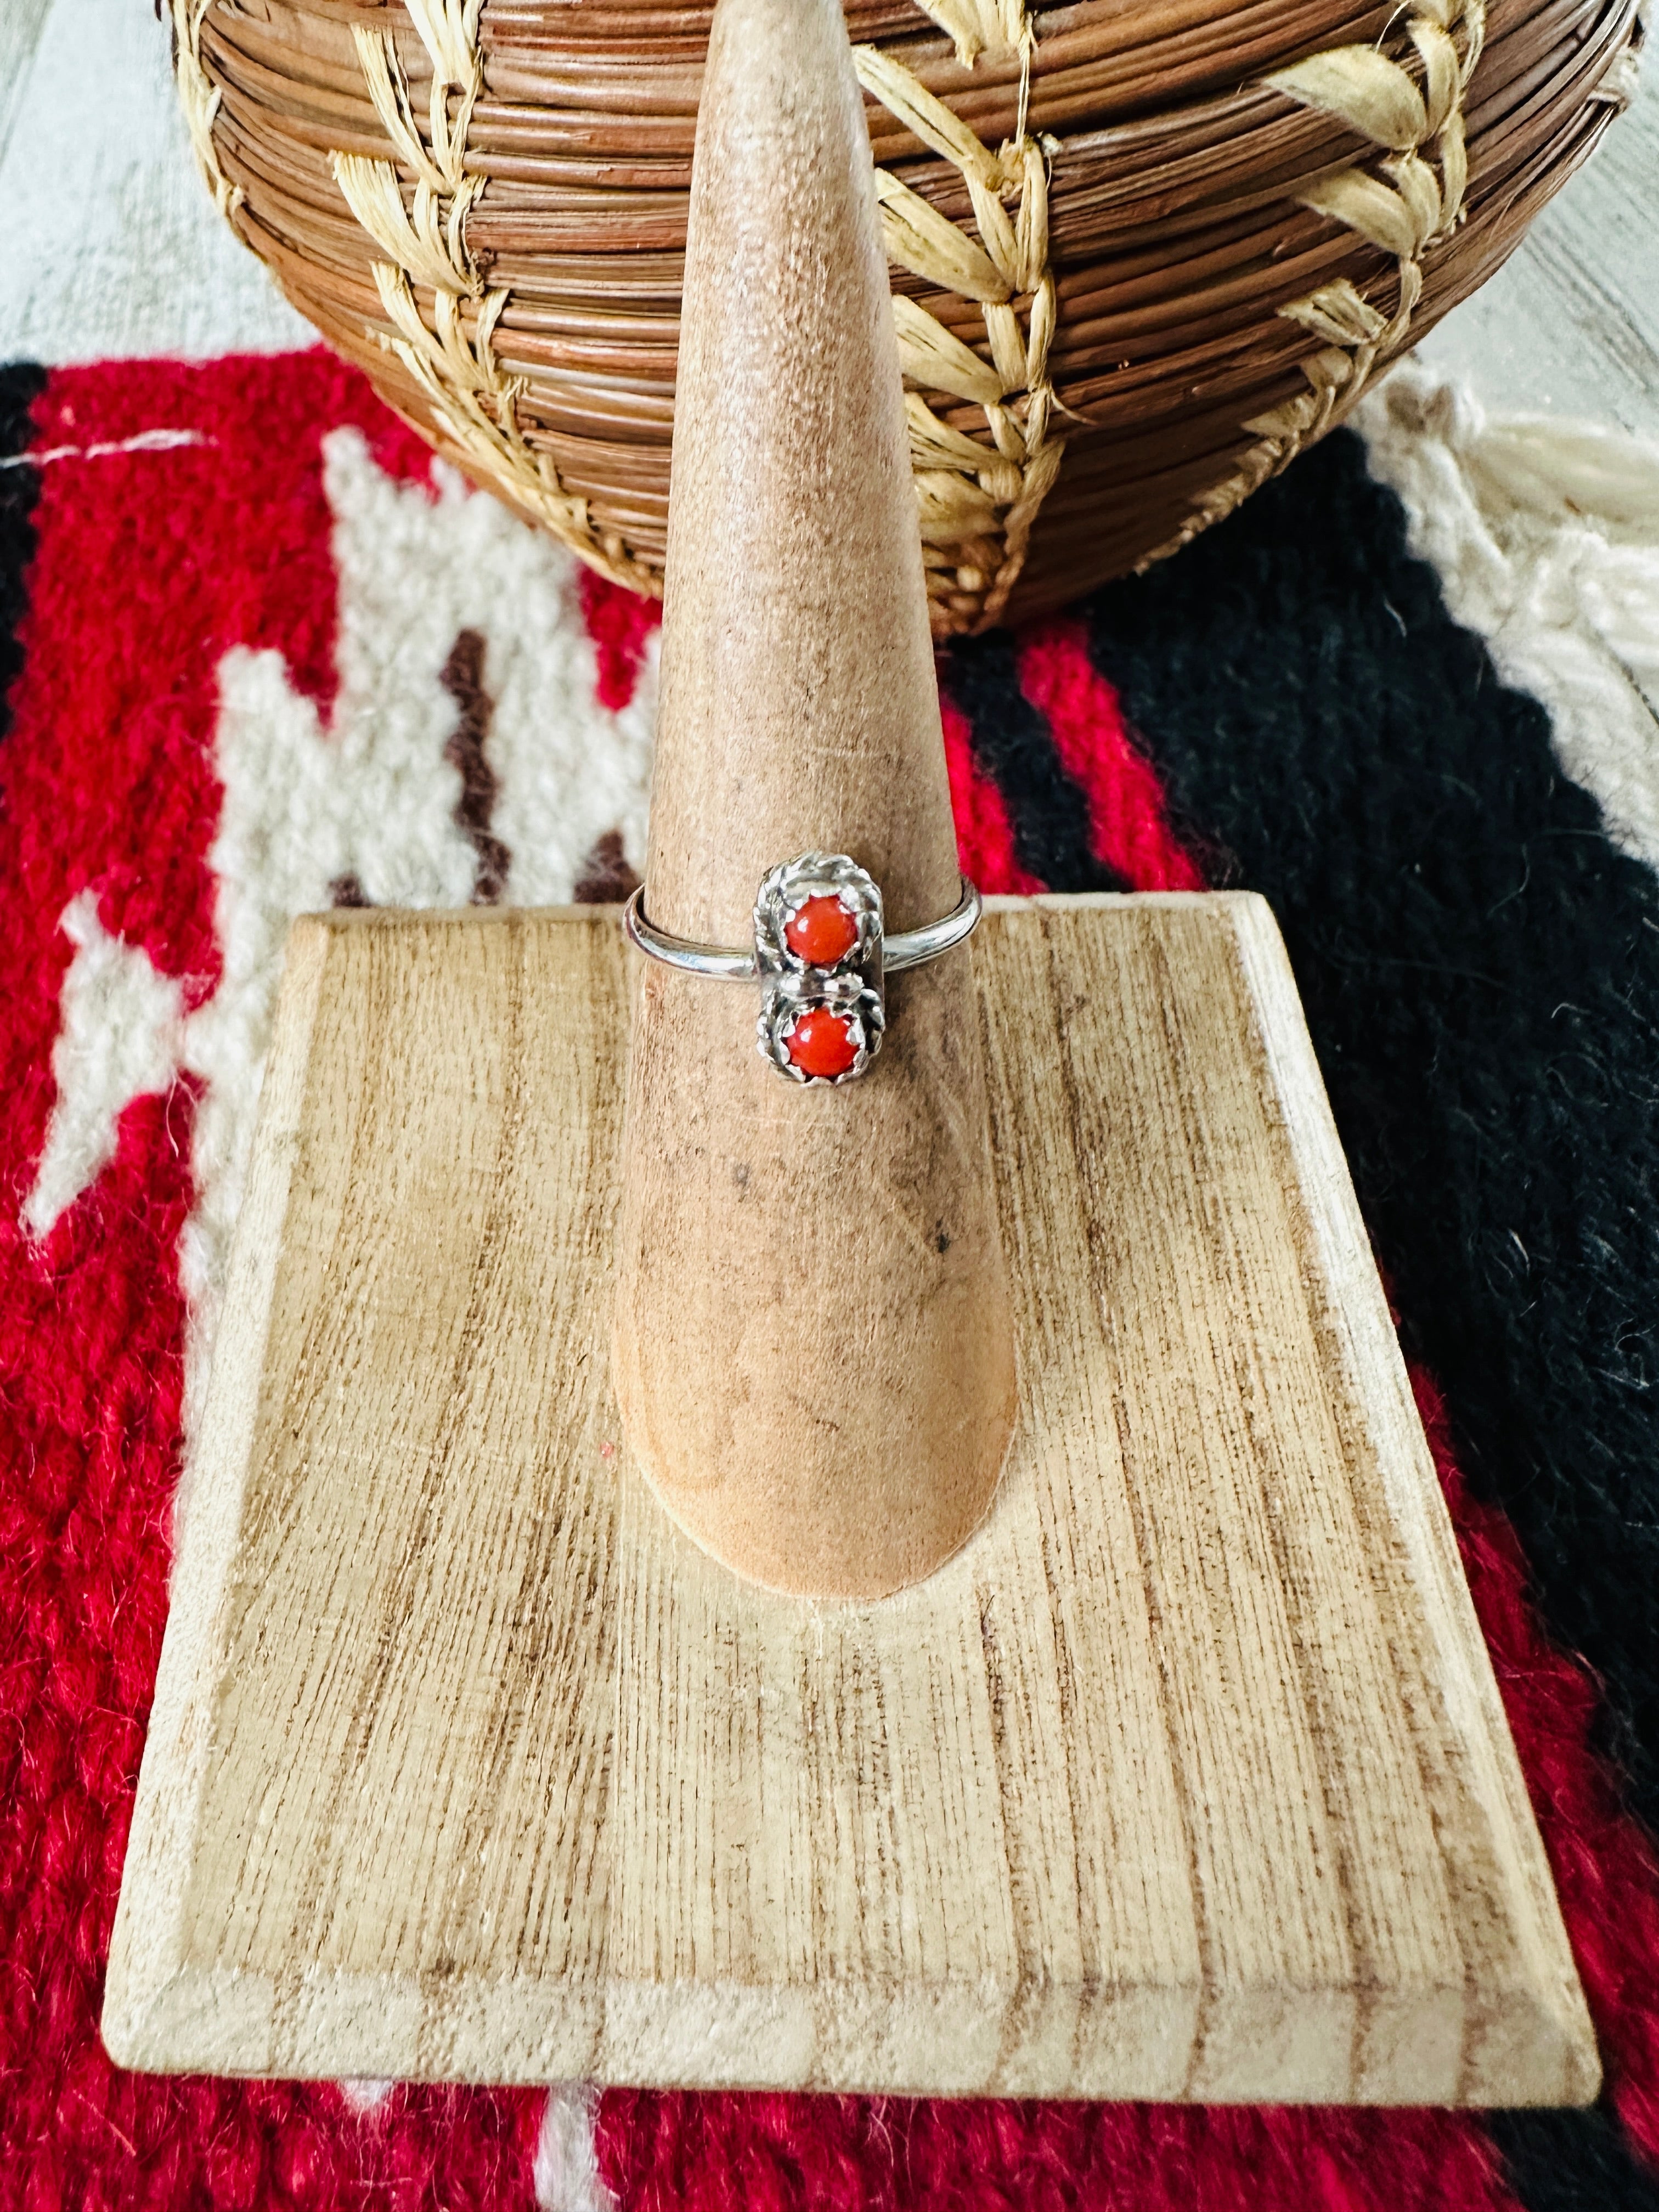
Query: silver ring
point(822, 955)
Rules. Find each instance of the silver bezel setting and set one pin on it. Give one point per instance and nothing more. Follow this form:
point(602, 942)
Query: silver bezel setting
point(791, 996)
point(853, 985)
point(785, 891)
point(850, 985)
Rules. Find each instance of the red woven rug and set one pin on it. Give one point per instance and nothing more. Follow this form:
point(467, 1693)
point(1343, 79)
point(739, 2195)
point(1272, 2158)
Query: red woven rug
point(262, 657)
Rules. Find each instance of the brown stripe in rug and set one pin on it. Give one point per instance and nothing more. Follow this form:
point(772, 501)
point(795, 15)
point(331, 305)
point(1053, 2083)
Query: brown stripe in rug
point(606, 877)
point(462, 676)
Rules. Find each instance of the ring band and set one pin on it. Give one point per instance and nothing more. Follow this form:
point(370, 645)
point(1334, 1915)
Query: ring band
point(822, 953)
point(909, 949)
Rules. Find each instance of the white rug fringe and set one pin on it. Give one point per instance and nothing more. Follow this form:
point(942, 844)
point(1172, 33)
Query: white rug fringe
point(1545, 533)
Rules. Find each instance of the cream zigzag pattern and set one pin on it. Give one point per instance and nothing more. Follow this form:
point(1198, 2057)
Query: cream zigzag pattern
point(1406, 201)
point(453, 358)
point(977, 504)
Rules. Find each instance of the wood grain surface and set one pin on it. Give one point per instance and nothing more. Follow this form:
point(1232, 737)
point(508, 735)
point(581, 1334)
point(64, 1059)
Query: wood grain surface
point(1187, 1777)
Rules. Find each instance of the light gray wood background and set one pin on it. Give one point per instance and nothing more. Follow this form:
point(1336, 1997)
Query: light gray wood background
point(112, 247)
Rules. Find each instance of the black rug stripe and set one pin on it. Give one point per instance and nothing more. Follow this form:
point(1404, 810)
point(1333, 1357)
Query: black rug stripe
point(1572, 2162)
point(1481, 971)
point(1048, 812)
point(20, 385)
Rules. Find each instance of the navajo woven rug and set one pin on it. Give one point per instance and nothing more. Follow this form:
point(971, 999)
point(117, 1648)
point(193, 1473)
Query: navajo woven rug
point(261, 656)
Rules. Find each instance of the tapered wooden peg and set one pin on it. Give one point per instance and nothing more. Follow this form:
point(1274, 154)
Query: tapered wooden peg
point(814, 1348)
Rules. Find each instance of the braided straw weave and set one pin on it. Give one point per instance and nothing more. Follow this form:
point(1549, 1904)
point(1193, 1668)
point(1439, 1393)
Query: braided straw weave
point(1141, 255)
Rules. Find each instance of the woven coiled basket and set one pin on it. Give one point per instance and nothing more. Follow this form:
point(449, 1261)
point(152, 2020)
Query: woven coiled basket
point(1143, 251)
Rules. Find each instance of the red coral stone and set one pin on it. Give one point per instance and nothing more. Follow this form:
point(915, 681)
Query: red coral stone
point(821, 1042)
point(821, 933)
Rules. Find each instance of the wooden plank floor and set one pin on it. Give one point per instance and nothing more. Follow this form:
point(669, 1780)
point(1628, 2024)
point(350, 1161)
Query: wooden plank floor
point(1186, 1778)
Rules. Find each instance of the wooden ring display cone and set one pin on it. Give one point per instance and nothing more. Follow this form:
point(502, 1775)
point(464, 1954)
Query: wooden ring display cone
point(1176, 1768)
point(814, 1346)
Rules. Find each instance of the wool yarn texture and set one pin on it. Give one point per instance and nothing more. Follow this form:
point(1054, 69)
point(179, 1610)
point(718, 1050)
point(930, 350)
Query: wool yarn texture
point(261, 655)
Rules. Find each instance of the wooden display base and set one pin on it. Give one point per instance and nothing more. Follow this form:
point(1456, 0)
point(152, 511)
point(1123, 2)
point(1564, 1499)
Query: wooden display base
point(1186, 1778)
